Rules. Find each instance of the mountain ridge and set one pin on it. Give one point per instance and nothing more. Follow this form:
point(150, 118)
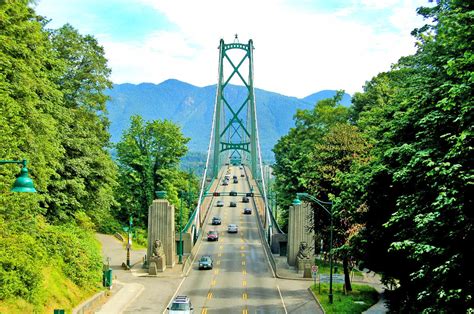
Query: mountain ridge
point(192, 108)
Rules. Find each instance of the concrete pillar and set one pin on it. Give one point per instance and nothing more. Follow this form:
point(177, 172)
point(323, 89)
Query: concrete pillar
point(298, 225)
point(161, 227)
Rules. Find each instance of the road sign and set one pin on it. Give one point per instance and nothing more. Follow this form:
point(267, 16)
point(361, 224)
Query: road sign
point(314, 268)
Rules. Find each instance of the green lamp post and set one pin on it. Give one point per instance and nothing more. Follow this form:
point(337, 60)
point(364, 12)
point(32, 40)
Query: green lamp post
point(23, 182)
point(297, 201)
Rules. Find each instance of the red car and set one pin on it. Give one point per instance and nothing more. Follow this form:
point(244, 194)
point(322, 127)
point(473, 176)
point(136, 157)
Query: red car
point(213, 235)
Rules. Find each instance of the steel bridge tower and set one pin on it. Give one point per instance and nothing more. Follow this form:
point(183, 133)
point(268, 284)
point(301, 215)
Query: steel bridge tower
point(235, 128)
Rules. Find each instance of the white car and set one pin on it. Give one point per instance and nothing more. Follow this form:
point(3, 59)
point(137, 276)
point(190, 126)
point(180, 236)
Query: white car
point(232, 228)
point(181, 305)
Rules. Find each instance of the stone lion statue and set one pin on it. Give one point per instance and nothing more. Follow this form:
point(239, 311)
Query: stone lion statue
point(158, 248)
point(303, 252)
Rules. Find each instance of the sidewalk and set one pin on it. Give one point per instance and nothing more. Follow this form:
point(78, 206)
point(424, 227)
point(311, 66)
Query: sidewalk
point(285, 272)
point(134, 291)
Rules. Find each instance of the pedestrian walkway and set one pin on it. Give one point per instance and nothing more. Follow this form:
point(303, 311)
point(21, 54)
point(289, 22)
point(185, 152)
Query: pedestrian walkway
point(125, 296)
point(284, 271)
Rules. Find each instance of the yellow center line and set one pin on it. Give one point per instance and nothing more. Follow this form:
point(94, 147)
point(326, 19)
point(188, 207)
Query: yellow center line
point(244, 272)
point(220, 247)
point(243, 262)
point(219, 255)
point(244, 283)
point(218, 262)
point(216, 272)
point(209, 295)
point(213, 283)
point(204, 310)
point(244, 296)
point(243, 254)
point(245, 311)
point(242, 247)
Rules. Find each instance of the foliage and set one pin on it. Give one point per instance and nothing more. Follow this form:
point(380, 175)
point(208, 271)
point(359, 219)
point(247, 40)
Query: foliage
point(148, 157)
point(412, 199)
point(52, 114)
point(364, 295)
point(310, 159)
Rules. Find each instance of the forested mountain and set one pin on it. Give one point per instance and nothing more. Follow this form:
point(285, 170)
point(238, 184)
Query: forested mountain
point(192, 108)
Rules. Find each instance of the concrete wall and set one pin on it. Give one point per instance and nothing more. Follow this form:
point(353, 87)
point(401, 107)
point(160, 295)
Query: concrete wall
point(161, 227)
point(299, 218)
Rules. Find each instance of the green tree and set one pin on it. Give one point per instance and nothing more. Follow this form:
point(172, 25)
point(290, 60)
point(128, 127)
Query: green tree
point(148, 157)
point(87, 171)
point(414, 194)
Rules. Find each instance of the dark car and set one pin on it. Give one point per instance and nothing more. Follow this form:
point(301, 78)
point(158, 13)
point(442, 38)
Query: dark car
point(216, 220)
point(213, 235)
point(233, 193)
point(236, 181)
point(205, 262)
point(245, 199)
point(247, 211)
point(233, 204)
point(242, 175)
point(220, 203)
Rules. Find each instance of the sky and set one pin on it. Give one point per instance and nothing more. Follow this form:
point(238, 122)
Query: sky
point(301, 46)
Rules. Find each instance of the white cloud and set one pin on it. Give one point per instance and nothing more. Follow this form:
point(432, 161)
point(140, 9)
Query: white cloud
point(297, 52)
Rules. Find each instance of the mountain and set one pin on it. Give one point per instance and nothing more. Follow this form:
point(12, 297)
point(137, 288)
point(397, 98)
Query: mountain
point(192, 107)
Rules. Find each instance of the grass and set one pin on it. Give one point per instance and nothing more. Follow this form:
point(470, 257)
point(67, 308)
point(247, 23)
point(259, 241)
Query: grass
point(337, 268)
point(58, 292)
point(364, 295)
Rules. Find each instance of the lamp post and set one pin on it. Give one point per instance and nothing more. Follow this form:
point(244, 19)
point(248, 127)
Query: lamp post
point(129, 242)
point(180, 247)
point(23, 183)
point(297, 201)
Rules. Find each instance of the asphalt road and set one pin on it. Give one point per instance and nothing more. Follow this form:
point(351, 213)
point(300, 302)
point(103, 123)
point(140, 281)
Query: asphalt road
point(241, 280)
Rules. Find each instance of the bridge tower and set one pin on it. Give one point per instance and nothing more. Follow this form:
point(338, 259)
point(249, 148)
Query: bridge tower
point(235, 122)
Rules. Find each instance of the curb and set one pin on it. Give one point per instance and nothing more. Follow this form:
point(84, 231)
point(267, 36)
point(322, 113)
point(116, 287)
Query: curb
point(92, 302)
point(316, 299)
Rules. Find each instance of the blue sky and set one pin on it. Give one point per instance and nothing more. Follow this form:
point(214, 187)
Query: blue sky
point(301, 46)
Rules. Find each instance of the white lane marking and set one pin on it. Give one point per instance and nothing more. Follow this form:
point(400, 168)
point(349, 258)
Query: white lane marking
point(282, 301)
point(174, 295)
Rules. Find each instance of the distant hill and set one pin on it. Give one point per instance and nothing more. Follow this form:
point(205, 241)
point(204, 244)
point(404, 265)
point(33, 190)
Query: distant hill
point(192, 108)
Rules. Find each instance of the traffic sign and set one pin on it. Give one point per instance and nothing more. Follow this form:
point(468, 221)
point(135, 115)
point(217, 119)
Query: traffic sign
point(314, 268)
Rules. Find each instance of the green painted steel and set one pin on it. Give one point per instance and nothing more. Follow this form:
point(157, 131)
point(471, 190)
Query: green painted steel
point(235, 138)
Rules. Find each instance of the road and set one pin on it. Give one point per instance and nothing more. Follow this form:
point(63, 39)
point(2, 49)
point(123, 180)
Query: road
point(241, 280)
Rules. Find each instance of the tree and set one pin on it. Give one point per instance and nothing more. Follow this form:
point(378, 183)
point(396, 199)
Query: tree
point(293, 152)
point(87, 171)
point(416, 209)
point(148, 156)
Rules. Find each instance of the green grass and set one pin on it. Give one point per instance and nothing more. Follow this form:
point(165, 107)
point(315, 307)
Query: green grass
point(345, 303)
point(337, 268)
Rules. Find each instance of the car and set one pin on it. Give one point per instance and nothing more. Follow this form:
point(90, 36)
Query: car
point(225, 183)
point(232, 228)
point(247, 211)
point(216, 220)
point(220, 203)
point(213, 235)
point(233, 204)
point(233, 193)
point(205, 262)
point(181, 304)
point(234, 177)
point(236, 180)
point(245, 199)
point(242, 175)
point(241, 167)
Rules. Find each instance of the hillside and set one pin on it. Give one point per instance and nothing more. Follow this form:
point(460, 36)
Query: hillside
point(192, 108)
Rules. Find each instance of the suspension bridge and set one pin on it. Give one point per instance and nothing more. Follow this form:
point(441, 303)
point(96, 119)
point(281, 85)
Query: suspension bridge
point(242, 277)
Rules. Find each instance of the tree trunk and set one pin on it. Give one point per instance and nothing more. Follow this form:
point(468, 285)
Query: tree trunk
point(347, 278)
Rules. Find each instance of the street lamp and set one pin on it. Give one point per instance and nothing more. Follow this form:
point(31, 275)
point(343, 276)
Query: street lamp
point(23, 182)
point(297, 201)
